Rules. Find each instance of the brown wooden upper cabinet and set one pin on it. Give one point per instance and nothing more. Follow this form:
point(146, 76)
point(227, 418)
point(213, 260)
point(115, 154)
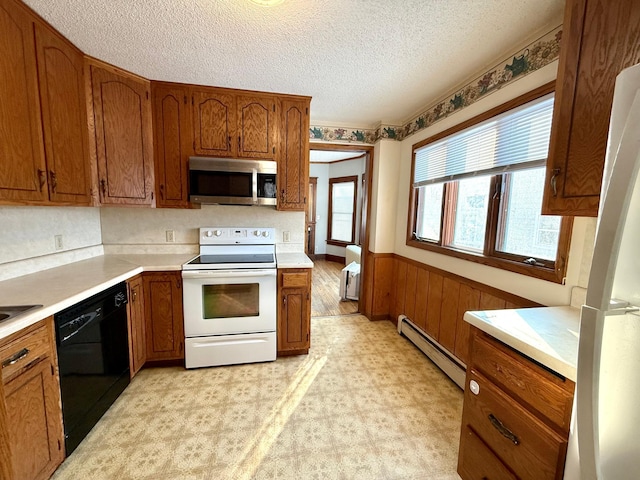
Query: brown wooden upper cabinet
point(22, 163)
point(599, 39)
point(257, 118)
point(64, 117)
point(123, 135)
point(44, 146)
point(231, 125)
point(293, 160)
point(214, 120)
point(172, 144)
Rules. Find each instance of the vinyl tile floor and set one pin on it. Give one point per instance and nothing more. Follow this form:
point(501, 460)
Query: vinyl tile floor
point(364, 404)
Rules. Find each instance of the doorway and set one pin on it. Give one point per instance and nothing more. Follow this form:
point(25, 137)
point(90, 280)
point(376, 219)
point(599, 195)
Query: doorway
point(339, 177)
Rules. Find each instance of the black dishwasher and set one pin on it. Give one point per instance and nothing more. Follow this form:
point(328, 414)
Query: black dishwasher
point(93, 357)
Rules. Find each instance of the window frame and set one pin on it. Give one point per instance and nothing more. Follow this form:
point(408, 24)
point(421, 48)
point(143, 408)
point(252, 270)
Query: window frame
point(553, 271)
point(350, 179)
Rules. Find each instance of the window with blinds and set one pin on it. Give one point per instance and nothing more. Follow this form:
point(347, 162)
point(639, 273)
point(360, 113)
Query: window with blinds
point(476, 193)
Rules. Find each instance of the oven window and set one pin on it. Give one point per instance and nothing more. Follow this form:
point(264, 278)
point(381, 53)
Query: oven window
point(224, 301)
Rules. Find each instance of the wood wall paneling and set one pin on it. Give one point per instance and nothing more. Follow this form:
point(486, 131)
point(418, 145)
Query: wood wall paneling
point(449, 313)
point(422, 295)
point(469, 300)
point(400, 286)
point(410, 292)
point(434, 304)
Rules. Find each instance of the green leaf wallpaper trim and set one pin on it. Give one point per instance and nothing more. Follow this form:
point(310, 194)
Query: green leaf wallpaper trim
point(538, 54)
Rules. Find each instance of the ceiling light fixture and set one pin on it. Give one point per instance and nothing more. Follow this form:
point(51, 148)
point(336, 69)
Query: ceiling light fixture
point(267, 3)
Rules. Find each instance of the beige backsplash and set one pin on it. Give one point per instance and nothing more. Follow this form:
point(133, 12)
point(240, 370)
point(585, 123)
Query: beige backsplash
point(136, 230)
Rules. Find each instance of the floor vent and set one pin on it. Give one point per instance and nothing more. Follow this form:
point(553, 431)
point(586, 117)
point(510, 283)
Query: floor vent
point(432, 349)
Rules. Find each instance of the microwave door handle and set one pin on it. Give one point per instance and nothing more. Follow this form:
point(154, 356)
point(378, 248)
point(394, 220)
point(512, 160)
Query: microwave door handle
point(228, 273)
point(255, 186)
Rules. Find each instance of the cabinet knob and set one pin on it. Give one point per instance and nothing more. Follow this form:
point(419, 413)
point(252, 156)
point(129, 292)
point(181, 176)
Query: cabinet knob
point(103, 185)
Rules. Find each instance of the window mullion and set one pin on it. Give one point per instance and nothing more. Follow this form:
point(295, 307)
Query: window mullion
point(449, 212)
point(493, 215)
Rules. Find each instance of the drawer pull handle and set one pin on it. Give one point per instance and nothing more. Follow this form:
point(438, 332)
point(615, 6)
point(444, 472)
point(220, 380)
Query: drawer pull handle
point(504, 431)
point(13, 359)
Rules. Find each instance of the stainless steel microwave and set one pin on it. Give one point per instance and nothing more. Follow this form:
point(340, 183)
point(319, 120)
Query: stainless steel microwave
point(230, 181)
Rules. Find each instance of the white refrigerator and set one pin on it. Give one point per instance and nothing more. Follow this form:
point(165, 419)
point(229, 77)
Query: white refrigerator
point(604, 442)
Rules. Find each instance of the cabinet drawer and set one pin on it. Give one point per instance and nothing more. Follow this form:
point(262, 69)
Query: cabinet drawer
point(477, 462)
point(526, 445)
point(544, 392)
point(23, 351)
point(294, 279)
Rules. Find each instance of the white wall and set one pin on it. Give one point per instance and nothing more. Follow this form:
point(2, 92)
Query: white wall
point(384, 196)
point(393, 163)
point(143, 230)
point(27, 236)
point(322, 205)
point(324, 172)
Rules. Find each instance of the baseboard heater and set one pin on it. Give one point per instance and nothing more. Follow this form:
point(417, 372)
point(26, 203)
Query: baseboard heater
point(432, 349)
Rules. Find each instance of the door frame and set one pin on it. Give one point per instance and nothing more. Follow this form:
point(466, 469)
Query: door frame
point(366, 207)
point(311, 204)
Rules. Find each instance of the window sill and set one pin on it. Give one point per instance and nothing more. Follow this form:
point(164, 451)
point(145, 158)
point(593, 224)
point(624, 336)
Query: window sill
point(339, 243)
point(542, 273)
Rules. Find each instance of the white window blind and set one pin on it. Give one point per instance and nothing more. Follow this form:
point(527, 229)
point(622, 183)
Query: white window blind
point(514, 140)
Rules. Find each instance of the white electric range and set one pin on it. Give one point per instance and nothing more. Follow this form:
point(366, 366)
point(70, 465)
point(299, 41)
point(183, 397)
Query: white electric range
point(229, 297)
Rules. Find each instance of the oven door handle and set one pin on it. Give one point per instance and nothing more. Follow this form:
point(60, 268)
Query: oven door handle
point(228, 273)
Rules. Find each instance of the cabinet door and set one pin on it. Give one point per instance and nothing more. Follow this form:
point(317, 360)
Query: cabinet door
point(163, 314)
point(22, 165)
point(64, 117)
point(257, 118)
point(137, 335)
point(34, 421)
point(172, 147)
point(293, 160)
point(122, 112)
point(294, 320)
point(600, 38)
point(214, 123)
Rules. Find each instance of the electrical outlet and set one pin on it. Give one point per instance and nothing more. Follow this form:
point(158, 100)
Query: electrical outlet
point(58, 241)
point(286, 237)
point(171, 236)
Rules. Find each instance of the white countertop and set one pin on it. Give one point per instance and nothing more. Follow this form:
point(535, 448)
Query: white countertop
point(293, 260)
point(61, 287)
point(548, 335)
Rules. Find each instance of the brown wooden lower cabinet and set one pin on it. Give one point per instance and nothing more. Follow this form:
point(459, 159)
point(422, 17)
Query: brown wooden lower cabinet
point(31, 403)
point(294, 311)
point(515, 420)
point(137, 328)
point(163, 315)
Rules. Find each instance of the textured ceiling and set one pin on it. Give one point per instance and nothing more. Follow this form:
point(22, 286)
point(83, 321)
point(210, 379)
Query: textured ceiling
point(362, 61)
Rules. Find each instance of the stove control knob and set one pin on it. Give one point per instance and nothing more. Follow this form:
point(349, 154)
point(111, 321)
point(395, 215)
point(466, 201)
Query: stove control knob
point(208, 233)
point(265, 233)
point(256, 233)
point(217, 233)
